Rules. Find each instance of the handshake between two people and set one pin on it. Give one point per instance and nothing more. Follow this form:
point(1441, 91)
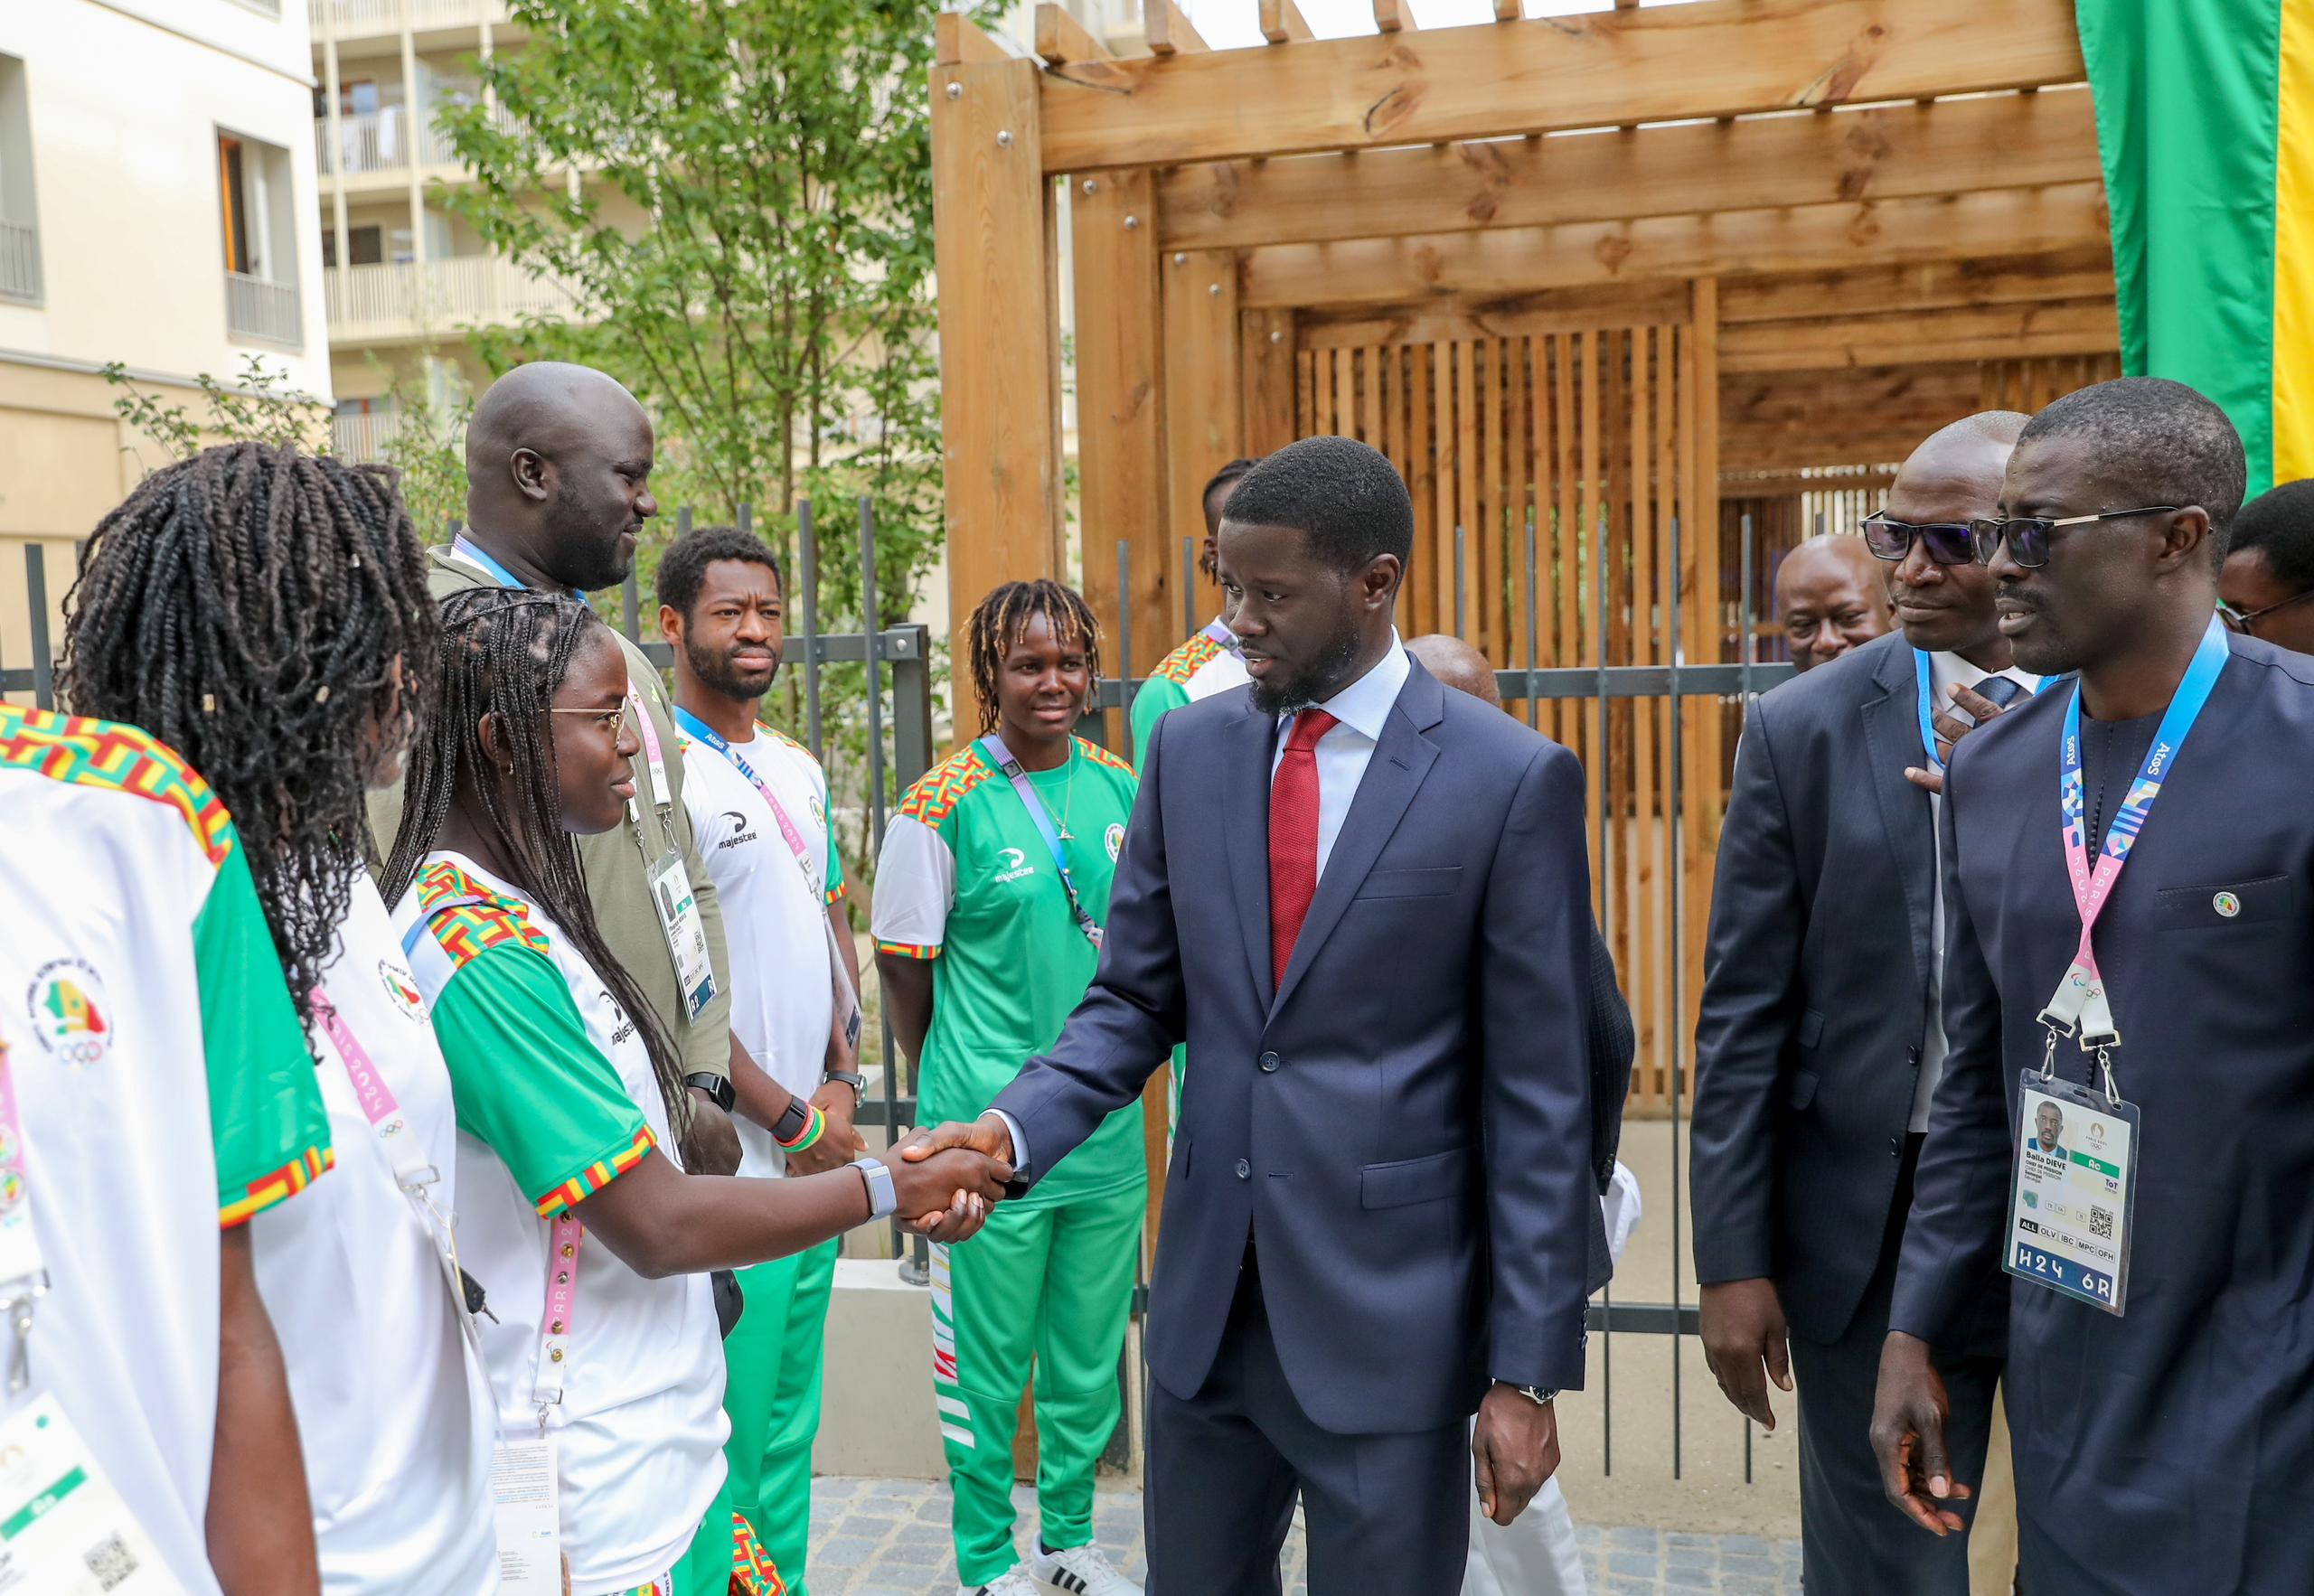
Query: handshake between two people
point(949, 1177)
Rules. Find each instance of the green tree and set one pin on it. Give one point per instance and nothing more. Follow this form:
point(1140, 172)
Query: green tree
point(259, 405)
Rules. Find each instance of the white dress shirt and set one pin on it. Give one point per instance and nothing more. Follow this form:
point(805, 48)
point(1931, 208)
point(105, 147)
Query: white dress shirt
point(1947, 670)
point(1343, 754)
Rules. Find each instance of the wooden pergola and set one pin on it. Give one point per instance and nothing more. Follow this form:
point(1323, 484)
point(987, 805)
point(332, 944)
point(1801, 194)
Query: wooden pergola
point(1585, 274)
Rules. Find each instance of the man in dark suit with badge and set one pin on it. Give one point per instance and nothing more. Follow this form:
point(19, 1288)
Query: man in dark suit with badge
point(2158, 801)
point(1817, 1045)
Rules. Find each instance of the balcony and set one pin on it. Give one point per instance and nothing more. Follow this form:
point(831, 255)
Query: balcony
point(20, 262)
point(362, 18)
point(383, 142)
point(256, 307)
point(408, 301)
point(363, 437)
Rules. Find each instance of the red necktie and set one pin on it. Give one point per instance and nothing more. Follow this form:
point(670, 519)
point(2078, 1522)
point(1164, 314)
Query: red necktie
point(1294, 837)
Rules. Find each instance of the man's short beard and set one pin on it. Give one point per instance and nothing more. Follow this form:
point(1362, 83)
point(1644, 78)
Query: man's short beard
point(1317, 681)
point(581, 557)
point(714, 671)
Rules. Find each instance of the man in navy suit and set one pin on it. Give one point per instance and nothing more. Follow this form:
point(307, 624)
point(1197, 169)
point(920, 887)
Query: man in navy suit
point(1364, 901)
point(2169, 1448)
point(1818, 1048)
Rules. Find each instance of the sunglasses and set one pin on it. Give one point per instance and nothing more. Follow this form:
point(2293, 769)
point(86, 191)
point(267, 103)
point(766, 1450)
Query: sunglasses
point(2242, 620)
point(2029, 535)
point(1947, 542)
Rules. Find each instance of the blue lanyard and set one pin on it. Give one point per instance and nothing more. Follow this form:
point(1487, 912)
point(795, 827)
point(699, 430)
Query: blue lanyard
point(1216, 630)
point(472, 552)
point(993, 750)
point(2169, 741)
point(1924, 674)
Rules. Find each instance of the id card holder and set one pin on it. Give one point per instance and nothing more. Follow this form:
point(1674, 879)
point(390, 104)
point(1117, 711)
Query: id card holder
point(524, 1503)
point(686, 933)
point(64, 1530)
point(2072, 1191)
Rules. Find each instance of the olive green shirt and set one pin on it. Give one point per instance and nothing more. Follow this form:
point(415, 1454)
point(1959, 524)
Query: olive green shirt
point(615, 865)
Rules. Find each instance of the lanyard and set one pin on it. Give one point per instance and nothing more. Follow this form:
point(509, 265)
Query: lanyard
point(794, 836)
point(1924, 674)
point(2080, 1001)
point(992, 749)
point(23, 1276)
point(1216, 630)
point(565, 1235)
point(465, 548)
point(412, 1172)
point(651, 752)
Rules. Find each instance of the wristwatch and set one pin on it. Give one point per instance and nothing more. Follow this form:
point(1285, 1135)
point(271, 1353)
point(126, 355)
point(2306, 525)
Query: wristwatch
point(857, 1081)
point(793, 1120)
point(1542, 1396)
point(882, 1199)
point(718, 1087)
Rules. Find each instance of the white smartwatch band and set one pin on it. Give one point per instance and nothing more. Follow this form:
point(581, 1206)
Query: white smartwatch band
point(882, 1199)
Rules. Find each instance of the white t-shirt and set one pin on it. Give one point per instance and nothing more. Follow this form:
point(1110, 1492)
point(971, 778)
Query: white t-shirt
point(392, 1404)
point(164, 1089)
point(556, 1099)
point(775, 911)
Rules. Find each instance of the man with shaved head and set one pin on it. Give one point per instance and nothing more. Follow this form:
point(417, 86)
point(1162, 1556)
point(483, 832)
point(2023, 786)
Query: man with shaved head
point(558, 488)
point(1829, 594)
point(1819, 1044)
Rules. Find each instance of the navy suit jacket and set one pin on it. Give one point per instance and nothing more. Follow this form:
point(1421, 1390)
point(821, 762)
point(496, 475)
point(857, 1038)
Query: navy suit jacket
point(1816, 982)
point(2172, 1449)
point(1405, 1121)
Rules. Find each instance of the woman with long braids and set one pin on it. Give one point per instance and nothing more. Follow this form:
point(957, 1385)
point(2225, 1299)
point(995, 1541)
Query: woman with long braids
point(264, 612)
point(576, 1216)
point(990, 894)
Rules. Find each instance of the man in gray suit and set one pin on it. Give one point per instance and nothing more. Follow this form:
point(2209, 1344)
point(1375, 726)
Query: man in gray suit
point(1817, 1045)
point(1364, 900)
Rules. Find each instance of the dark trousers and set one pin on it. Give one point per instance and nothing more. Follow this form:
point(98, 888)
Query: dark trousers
point(1853, 1542)
point(1384, 1512)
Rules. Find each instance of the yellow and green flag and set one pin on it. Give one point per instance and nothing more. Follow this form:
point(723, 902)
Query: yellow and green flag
point(2206, 129)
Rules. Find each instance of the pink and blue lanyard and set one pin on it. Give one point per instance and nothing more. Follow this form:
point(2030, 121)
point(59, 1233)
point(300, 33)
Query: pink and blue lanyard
point(2080, 1006)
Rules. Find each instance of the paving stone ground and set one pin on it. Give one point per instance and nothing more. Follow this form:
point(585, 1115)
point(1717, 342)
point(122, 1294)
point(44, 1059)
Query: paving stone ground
point(889, 1537)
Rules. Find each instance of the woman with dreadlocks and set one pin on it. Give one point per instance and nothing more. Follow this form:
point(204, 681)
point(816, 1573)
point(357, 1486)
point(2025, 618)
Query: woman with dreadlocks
point(990, 894)
point(264, 612)
point(594, 1251)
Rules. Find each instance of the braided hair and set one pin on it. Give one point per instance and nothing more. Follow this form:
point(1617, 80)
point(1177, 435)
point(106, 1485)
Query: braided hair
point(1000, 621)
point(249, 607)
point(505, 651)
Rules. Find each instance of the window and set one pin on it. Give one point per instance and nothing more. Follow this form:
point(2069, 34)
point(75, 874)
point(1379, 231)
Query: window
point(20, 278)
point(364, 246)
point(257, 212)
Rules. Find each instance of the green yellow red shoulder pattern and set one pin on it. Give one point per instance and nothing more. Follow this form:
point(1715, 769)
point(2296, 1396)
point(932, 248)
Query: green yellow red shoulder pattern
point(474, 918)
point(597, 1176)
point(1186, 661)
point(284, 1183)
point(1100, 755)
point(104, 754)
point(938, 791)
point(777, 735)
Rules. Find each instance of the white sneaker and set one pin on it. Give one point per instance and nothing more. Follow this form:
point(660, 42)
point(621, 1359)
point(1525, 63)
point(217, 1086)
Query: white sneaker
point(1016, 1583)
point(1081, 1570)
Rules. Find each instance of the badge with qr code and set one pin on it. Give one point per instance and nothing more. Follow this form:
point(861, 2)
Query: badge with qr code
point(64, 1530)
point(2072, 1183)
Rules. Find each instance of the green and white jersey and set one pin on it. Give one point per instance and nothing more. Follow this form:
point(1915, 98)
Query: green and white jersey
point(1199, 668)
point(966, 879)
point(164, 1086)
point(556, 1099)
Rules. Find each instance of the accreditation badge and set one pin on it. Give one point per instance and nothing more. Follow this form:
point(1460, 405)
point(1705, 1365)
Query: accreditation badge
point(522, 1498)
point(2073, 1184)
point(64, 1530)
point(686, 933)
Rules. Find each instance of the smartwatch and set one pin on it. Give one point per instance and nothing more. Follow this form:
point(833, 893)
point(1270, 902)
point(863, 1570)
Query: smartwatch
point(882, 1199)
point(858, 1083)
point(718, 1087)
point(793, 1122)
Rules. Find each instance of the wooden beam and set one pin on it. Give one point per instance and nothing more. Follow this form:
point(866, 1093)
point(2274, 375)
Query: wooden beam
point(1715, 58)
point(1887, 151)
point(1167, 29)
point(1773, 398)
point(1000, 334)
point(1992, 333)
point(1061, 38)
point(1282, 22)
point(1505, 11)
point(1807, 238)
point(958, 41)
point(1266, 347)
point(1391, 16)
point(1204, 391)
point(1460, 319)
point(2085, 273)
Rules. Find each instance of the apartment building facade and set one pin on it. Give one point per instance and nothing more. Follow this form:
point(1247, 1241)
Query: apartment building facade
point(156, 178)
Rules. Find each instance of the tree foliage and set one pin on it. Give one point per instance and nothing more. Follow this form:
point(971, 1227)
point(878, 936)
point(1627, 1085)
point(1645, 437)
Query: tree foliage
point(259, 405)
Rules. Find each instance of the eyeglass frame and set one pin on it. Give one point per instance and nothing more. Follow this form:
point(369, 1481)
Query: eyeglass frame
point(1985, 534)
point(1915, 532)
point(622, 711)
point(2239, 620)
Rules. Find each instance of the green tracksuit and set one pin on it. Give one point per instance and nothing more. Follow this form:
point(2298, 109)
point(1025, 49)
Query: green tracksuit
point(967, 878)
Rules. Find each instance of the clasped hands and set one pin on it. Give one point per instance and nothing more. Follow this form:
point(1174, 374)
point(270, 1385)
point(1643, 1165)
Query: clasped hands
point(948, 1176)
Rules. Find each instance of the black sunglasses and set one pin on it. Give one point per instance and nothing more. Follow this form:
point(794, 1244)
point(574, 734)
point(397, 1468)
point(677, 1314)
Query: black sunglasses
point(2029, 535)
point(2244, 621)
point(1947, 542)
